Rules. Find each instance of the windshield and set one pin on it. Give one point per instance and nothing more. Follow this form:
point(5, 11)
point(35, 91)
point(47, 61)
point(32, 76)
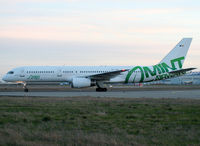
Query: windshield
point(10, 72)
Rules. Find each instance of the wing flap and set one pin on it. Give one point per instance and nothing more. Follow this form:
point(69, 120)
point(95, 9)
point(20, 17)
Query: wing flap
point(181, 70)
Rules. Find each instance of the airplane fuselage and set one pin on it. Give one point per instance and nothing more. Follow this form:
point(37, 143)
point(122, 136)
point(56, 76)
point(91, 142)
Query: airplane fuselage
point(134, 74)
point(87, 76)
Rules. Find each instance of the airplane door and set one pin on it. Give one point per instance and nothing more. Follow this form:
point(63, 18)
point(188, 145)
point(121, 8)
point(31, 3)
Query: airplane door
point(22, 74)
point(59, 73)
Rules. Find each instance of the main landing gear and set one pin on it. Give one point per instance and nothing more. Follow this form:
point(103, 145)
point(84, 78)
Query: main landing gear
point(101, 89)
point(25, 90)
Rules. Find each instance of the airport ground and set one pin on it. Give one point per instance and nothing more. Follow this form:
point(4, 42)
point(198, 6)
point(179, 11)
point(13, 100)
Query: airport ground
point(56, 115)
point(114, 88)
point(153, 91)
point(98, 121)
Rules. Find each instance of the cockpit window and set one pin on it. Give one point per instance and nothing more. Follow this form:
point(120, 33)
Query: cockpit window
point(11, 72)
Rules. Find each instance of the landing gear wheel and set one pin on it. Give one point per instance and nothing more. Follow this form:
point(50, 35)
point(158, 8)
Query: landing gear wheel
point(101, 89)
point(25, 90)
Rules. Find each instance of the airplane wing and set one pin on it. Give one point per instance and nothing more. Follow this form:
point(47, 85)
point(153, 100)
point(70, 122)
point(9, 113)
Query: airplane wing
point(107, 75)
point(181, 70)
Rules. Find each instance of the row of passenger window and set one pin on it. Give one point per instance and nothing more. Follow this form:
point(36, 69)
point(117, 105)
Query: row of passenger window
point(93, 71)
point(40, 72)
point(85, 71)
point(67, 71)
point(70, 71)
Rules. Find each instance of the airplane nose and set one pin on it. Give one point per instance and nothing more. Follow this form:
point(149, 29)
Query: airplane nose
point(4, 78)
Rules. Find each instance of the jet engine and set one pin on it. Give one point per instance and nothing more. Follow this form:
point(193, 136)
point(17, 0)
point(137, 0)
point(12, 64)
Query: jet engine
point(81, 82)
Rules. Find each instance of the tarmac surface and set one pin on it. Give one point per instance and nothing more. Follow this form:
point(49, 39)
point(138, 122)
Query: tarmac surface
point(115, 92)
point(194, 94)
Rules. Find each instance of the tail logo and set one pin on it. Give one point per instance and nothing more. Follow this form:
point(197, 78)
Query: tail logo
point(159, 71)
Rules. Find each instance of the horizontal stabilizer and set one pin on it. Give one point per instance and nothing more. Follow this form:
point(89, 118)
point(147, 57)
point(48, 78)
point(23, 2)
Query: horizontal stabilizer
point(181, 70)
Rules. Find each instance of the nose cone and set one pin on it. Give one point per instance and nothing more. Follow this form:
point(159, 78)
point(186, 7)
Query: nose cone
point(4, 78)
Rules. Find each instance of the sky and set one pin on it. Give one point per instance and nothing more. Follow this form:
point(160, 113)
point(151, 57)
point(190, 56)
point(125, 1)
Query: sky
point(96, 32)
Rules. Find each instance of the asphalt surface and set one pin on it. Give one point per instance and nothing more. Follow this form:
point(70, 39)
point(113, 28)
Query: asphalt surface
point(195, 94)
point(161, 91)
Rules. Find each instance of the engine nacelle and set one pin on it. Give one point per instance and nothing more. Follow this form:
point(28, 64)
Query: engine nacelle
point(81, 82)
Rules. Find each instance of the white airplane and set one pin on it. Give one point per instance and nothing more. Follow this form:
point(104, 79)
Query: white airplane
point(88, 76)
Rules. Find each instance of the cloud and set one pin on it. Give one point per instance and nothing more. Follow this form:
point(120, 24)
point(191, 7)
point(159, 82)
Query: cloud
point(121, 32)
point(83, 26)
point(85, 33)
